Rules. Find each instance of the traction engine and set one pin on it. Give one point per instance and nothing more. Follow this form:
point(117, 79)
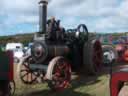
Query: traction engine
point(56, 51)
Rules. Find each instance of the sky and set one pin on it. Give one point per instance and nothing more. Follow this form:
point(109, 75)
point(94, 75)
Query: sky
point(102, 16)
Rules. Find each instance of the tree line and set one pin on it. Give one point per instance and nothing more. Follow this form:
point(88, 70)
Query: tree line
point(22, 38)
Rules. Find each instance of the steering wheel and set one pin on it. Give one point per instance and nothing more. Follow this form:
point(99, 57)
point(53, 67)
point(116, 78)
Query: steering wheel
point(83, 31)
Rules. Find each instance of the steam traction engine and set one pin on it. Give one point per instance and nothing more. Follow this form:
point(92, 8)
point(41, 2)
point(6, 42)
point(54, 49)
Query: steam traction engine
point(55, 51)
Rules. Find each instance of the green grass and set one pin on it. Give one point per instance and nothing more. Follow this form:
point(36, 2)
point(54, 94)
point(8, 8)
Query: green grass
point(82, 86)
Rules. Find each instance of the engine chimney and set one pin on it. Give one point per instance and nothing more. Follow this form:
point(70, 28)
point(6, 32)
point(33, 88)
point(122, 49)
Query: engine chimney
point(42, 16)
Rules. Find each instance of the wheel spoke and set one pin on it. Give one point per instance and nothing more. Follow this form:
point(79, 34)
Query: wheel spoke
point(24, 70)
point(24, 75)
point(26, 65)
point(36, 75)
point(31, 76)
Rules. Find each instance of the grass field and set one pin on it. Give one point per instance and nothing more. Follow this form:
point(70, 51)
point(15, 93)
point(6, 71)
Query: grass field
point(82, 86)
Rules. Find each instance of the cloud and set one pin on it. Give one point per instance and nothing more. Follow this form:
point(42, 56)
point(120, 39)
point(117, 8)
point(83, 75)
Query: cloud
point(16, 13)
point(116, 22)
point(83, 8)
point(20, 5)
point(98, 15)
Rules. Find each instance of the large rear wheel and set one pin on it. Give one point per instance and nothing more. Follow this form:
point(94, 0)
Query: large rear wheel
point(58, 73)
point(92, 56)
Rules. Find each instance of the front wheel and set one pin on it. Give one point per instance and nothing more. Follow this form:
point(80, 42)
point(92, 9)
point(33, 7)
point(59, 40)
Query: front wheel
point(58, 73)
point(25, 74)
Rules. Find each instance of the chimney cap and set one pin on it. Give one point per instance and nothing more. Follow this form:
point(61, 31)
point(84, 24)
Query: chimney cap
point(43, 1)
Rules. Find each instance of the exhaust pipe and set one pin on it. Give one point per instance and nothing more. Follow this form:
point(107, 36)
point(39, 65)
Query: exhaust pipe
point(42, 16)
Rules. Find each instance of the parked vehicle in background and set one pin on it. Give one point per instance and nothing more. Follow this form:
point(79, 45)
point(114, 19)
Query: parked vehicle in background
point(27, 50)
point(17, 49)
point(18, 54)
point(11, 46)
point(110, 55)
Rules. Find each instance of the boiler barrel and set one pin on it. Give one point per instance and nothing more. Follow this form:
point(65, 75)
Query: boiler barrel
point(58, 50)
point(41, 51)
